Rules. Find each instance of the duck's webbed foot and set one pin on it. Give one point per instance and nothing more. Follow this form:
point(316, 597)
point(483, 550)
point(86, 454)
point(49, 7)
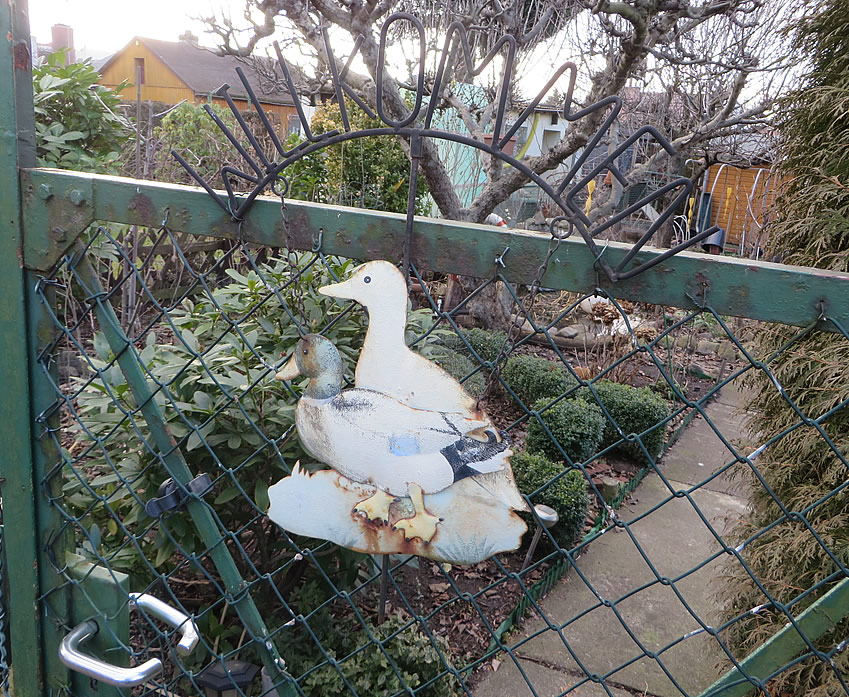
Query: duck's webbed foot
point(376, 506)
point(422, 524)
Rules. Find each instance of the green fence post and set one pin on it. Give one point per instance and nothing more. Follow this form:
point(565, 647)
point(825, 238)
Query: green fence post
point(17, 148)
point(55, 539)
point(781, 648)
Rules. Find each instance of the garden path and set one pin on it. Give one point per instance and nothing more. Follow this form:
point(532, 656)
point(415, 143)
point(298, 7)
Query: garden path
point(675, 540)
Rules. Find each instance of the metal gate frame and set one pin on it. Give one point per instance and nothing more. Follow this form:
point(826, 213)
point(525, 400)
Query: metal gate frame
point(44, 211)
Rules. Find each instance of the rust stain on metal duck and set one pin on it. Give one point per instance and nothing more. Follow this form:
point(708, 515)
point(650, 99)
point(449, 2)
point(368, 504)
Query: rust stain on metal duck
point(320, 505)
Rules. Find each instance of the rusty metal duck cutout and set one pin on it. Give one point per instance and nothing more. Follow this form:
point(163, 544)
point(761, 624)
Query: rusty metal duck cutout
point(372, 438)
point(417, 467)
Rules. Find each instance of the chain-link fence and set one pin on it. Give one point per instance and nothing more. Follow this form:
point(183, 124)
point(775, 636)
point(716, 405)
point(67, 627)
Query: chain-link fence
point(172, 429)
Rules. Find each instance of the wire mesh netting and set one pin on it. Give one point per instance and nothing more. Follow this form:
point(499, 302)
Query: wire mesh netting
point(596, 395)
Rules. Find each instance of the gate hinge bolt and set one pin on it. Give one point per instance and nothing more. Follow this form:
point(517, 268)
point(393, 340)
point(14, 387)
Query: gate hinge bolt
point(77, 197)
point(44, 191)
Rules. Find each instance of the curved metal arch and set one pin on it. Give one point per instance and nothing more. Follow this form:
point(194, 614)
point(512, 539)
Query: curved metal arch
point(266, 173)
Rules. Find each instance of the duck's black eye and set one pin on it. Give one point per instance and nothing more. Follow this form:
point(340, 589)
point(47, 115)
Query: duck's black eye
point(367, 279)
point(305, 352)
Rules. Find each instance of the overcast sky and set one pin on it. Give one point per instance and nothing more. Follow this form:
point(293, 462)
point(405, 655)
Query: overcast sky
point(102, 27)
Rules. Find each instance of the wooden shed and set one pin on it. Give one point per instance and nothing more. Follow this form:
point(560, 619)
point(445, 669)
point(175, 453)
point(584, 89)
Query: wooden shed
point(741, 200)
point(172, 72)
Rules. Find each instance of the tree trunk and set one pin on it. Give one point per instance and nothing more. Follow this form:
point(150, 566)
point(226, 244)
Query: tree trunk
point(490, 308)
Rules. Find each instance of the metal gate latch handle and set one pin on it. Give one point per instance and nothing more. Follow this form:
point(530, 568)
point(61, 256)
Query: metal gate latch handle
point(71, 656)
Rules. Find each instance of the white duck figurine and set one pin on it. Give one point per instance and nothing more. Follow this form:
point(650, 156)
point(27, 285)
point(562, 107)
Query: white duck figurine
point(372, 438)
point(386, 363)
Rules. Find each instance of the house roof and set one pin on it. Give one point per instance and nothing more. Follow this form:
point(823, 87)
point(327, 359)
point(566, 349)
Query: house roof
point(204, 72)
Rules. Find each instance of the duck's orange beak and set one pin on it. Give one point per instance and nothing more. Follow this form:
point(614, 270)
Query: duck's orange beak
point(289, 371)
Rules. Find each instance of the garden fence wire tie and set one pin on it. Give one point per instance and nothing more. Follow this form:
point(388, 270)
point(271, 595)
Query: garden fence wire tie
point(173, 498)
point(595, 265)
point(165, 219)
point(499, 260)
point(95, 297)
point(317, 242)
point(42, 282)
point(233, 215)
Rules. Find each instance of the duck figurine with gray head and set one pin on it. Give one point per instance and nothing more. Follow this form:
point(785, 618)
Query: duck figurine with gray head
point(372, 438)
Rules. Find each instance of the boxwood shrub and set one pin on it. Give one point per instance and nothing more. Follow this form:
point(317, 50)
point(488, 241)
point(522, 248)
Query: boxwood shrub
point(577, 425)
point(568, 495)
point(367, 669)
point(487, 344)
point(459, 366)
point(533, 378)
point(635, 409)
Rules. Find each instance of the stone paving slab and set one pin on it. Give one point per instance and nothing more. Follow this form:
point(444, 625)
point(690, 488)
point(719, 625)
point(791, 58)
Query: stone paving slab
point(700, 452)
point(599, 638)
point(546, 683)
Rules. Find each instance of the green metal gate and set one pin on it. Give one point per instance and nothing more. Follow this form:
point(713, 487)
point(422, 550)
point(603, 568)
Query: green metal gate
point(98, 420)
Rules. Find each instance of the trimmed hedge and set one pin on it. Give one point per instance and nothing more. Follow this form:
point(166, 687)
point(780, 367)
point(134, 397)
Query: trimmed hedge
point(577, 425)
point(568, 495)
point(533, 378)
point(459, 366)
point(635, 409)
point(487, 344)
point(368, 671)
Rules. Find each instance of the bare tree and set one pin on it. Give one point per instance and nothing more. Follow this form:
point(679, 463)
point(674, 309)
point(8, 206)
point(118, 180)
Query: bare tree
point(708, 64)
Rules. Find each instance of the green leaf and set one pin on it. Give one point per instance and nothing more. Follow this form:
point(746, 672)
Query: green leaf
point(232, 273)
point(194, 441)
point(227, 495)
point(191, 340)
point(266, 324)
point(203, 400)
point(163, 554)
point(48, 82)
point(101, 346)
point(147, 354)
point(261, 496)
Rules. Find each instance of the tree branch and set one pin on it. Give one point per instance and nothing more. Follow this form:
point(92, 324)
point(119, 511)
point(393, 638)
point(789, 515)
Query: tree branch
point(672, 41)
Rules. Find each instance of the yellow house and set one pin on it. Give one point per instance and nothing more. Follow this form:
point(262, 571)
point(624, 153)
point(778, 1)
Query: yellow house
point(172, 72)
